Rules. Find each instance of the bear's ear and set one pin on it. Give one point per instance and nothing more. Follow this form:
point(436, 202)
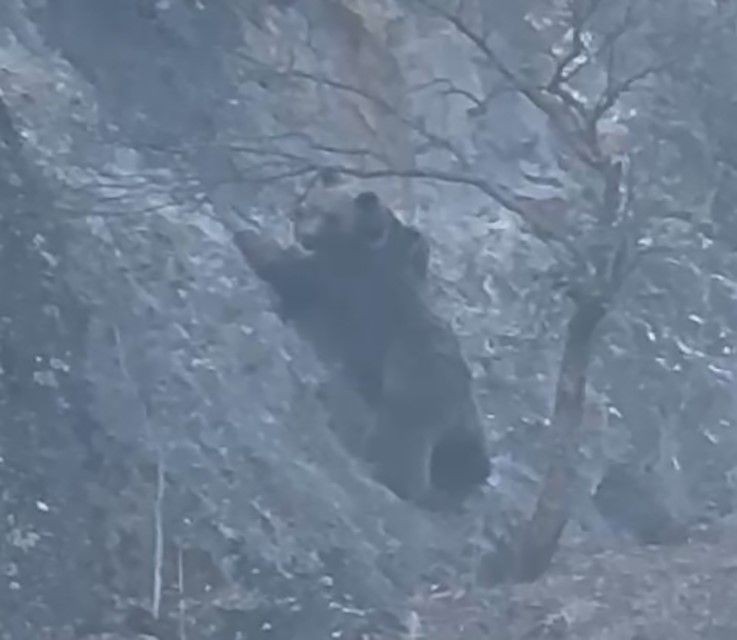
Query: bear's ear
point(372, 224)
point(367, 201)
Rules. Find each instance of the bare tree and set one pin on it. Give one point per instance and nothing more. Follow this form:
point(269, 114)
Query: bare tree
point(598, 241)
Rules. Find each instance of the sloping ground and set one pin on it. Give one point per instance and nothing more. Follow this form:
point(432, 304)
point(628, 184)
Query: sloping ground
point(628, 593)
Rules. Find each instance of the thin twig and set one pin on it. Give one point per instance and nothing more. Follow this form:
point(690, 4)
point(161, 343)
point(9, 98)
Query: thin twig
point(158, 536)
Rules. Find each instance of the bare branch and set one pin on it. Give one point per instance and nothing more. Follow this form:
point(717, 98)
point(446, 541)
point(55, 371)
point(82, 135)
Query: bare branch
point(567, 121)
point(610, 40)
point(615, 90)
point(449, 89)
point(495, 193)
point(416, 126)
point(298, 136)
point(476, 39)
point(560, 73)
point(286, 175)
point(563, 71)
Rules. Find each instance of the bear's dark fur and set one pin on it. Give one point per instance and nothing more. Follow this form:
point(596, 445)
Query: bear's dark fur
point(352, 285)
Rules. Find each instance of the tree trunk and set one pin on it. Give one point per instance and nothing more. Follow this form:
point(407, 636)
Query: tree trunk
point(529, 555)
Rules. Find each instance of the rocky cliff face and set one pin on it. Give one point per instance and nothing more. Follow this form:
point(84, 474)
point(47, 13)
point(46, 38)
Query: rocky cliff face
point(171, 458)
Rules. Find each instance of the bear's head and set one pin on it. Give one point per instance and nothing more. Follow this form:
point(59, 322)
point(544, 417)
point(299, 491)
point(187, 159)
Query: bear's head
point(330, 219)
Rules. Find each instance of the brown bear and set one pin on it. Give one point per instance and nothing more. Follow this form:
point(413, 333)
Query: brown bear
point(352, 285)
